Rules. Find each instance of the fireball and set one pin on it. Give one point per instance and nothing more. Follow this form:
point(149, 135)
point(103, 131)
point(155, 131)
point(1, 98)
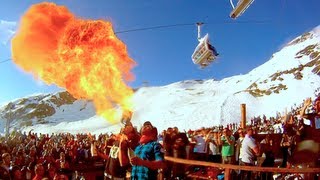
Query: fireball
point(85, 57)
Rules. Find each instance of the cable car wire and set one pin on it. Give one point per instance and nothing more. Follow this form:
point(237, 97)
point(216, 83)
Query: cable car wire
point(180, 25)
point(5, 60)
point(191, 24)
point(154, 27)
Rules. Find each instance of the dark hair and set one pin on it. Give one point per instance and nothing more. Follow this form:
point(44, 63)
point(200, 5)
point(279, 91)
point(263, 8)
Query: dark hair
point(147, 123)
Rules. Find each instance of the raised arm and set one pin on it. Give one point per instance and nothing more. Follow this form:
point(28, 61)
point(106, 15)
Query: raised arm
point(123, 151)
point(158, 163)
point(306, 103)
point(256, 150)
point(154, 165)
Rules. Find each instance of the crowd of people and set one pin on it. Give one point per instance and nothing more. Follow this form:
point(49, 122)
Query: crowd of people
point(140, 154)
point(65, 156)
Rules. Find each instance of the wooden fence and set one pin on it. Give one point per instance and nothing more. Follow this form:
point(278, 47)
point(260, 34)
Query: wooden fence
point(228, 167)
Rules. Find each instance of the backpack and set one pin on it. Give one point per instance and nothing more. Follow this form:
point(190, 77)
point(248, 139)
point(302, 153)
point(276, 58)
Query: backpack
point(113, 166)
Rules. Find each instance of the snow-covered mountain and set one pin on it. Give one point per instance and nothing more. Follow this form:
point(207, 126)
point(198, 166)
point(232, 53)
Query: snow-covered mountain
point(291, 75)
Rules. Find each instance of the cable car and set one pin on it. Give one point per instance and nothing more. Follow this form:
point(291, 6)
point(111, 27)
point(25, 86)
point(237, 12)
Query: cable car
point(205, 53)
point(242, 6)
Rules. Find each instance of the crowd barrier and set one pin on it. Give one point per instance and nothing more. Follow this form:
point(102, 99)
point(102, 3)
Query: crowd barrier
point(228, 167)
point(95, 172)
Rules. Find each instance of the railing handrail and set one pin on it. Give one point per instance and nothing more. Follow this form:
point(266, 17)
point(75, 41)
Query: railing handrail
point(246, 168)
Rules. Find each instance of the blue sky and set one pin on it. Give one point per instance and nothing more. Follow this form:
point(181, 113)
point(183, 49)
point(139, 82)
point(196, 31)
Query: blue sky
point(164, 55)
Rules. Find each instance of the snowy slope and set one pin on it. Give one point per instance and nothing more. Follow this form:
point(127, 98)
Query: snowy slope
point(288, 77)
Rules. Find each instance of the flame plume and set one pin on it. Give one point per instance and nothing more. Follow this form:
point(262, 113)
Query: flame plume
point(83, 56)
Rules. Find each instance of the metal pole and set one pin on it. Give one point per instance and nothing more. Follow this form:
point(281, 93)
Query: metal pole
point(199, 30)
point(232, 4)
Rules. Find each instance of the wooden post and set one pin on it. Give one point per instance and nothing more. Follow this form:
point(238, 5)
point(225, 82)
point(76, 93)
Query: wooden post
point(227, 175)
point(243, 116)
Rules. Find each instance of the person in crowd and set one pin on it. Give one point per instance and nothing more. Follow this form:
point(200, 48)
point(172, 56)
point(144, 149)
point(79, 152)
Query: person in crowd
point(313, 116)
point(19, 160)
point(285, 145)
point(180, 142)
point(214, 150)
point(167, 141)
point(289, 125)
point(315, 108)
point(60, 176)
point(300, 130)
point(168, 151)
point(161, 136)
point(109, 143)
point(267, 151)
point(39, 172)
point(51, 171)
point(62, 163)
point(57, 149)
point(227, 142)
point(71, 153)
point(129, 140)
point(32, 157)
point(46, 159)
point(148, 155)
point(29, 171)
point(249, 149)
point(238, 145)
point(5, 166)
point(113, 168)
point(81, 153)
point(15, 173)
point(200, 148)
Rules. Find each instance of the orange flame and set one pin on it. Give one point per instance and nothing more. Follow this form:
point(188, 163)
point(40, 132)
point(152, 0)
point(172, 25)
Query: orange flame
point(83, 56)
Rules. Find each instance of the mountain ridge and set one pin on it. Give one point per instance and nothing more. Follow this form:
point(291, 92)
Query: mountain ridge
point(267, 89)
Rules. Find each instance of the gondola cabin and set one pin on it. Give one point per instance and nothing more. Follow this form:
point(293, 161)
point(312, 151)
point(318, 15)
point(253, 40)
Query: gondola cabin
point(242, 6)
point(205, 53)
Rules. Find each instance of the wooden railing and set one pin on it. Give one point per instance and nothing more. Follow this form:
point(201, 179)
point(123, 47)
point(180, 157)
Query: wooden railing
point(228, 167)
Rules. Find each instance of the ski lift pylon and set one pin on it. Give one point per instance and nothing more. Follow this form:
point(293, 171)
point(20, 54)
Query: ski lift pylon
point(242, 6)
point(205, 53)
